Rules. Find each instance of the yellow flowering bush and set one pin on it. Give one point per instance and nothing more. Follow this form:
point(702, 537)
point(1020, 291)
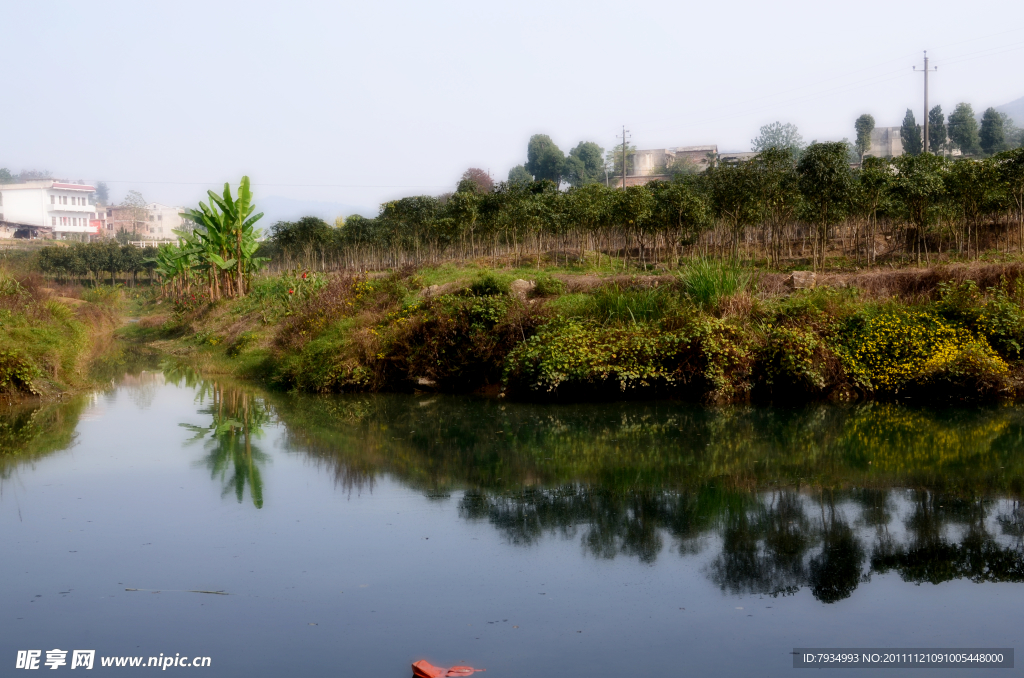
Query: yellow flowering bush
point(902, 347)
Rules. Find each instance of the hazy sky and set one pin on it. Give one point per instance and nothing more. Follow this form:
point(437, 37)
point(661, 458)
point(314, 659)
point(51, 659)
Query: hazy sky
point(356, 103)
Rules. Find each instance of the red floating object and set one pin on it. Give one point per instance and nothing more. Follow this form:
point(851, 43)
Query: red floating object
point(424, 669)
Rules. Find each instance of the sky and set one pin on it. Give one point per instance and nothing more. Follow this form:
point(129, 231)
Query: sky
point(353, 103)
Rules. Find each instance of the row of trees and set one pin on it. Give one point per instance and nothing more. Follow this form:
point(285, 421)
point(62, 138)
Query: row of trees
point(96, 262)
point(961, 131)
point(773, 206)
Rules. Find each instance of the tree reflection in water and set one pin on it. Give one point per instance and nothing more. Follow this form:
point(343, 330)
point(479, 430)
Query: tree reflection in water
point(780, 499)
point(772, 501)
point(237, 420)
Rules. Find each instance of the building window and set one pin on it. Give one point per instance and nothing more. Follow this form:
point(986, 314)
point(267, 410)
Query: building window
point(159, 217)
point(53, 200)
point(53, 220)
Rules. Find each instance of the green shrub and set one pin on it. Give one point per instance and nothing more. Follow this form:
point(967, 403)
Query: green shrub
point(574, 353)
point(490, 284)
point(708, 281)
point(997, 315)
point(614, 305)
point(548, 286)
point(902, 348)
point(793, 359)
point(242, 342)
point(17, 374)
point(104, 295)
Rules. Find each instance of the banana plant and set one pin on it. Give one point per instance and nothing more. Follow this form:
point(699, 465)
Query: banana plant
point(239, 222)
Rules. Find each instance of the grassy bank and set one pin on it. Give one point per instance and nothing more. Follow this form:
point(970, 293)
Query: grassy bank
point(710, 332)
point(49, 334)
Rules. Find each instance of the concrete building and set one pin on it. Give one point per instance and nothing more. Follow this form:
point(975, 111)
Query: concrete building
point(47, 208)
point(652, 162)
point(886, 142)
point(155, 221)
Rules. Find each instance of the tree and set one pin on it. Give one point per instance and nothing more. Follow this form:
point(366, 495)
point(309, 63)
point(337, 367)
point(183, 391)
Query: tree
point(585, 164)
point(963, 129)
point(613, 159)
point(544, 160)
point(936, 129)
point(519, 175)
point(1010, 166)
point(134, 206)
point(102, 193)
point(971, 185)
point(5, 176)
point(919, 186)
point(778, 135)
point(864, 125)
point(33, 175)
point(910, 133)
point(992, 138)
point(681, 210)
point(826, 184)
point(308, 232)
point(483, 181)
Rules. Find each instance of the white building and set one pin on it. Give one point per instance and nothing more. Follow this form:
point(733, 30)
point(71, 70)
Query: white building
point(162, 220)
point(41, 208)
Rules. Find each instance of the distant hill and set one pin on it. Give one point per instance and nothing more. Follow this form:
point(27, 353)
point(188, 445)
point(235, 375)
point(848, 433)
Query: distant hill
point(277, 208)
point(1015, 110)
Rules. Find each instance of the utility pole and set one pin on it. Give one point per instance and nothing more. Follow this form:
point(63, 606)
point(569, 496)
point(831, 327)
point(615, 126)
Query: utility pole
point(926, 98)
point(625, 137)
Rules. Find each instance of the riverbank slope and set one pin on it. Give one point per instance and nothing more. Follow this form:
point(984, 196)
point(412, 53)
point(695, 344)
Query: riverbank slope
point(711, 332)
point(48, 336)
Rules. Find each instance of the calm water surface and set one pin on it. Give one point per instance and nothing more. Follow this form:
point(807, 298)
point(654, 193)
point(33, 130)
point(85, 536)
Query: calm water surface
point(356, 534)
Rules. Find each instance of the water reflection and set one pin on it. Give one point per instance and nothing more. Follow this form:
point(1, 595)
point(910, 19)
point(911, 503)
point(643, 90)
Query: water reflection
point(237, 417)
point(769, 501)
point(819, 498)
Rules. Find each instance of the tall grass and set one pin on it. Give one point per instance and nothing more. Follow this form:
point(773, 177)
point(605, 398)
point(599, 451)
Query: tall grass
point(708, 281)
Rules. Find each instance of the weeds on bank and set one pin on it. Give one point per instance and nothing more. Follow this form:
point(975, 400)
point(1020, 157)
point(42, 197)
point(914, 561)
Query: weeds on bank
point(710, 334)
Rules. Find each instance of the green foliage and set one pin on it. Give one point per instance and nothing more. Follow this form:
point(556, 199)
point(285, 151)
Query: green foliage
point(544, 160)
point(864, 125)
point(902, 348)
point(699, 358)
point(585, 164)
point(490, 284)
point(519, 175)
point(827, 186)
point(997, 315)
point(992, 137)
point(548, 286)
point(910, 134)
point(793, 359)
point(936, 130)
point(613, 305)
point(963, 129)
point(707, 282)
point(780, 136)
point(17, 373)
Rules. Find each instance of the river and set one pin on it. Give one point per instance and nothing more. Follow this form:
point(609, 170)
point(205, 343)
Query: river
point(351, 535)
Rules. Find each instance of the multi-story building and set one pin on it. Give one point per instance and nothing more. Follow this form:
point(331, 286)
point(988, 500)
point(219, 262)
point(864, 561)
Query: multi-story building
point(47, 208)
point(154, 221)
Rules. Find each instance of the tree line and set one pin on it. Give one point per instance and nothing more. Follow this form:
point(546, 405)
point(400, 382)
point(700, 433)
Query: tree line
point(785, 204)
point(960, 132)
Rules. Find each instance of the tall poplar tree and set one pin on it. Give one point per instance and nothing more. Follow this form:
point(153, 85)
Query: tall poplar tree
point(963, 129)
point(992, 138)
point(936, 129)
point(910, 133)
point(864, 125)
